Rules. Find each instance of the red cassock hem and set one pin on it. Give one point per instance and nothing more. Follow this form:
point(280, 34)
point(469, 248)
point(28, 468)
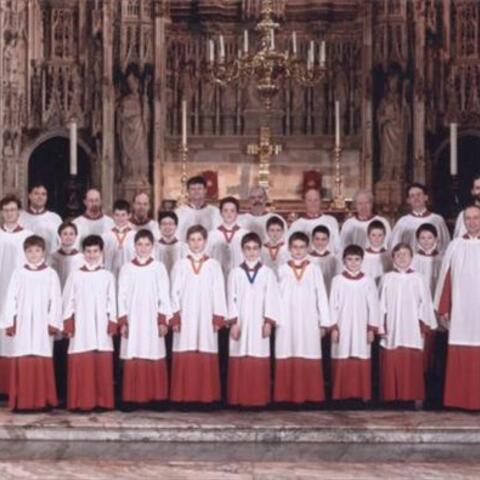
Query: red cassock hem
point(195, 377)
point(402, 374)
point(352, 378)
point(144, 380)
point(249, 381)
point(32, 383)
point(462, 383)
point(5, 375)
point(298, 380)
point(90, 380)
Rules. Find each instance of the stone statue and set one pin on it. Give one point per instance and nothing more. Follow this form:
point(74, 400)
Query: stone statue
point(132, 130)
point(393, 118)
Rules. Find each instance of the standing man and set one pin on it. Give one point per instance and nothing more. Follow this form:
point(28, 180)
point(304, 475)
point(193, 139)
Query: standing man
point(458, 304)
point(406, 227)
point(256, 219)
point(460, 229)
point(313, 217)
point(93, 221)
point(354, 230)
point(140, 218)
point(196, 211)
point(39, 220)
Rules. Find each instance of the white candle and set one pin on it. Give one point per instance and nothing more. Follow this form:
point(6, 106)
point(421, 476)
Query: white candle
point(294, 42)
point(337, 123)
point(184, 123)
point(323, 54)
point(73, 148)
point(312, 52)
point(222, 48)
point(245, 41)
point(272, 39)
point(211, 50)
point(453, 149)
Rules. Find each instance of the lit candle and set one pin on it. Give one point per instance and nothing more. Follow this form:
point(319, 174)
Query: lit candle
point(245, 41)
point(323, 54)
point(184, 123)
point(222, 48)
point(337, 123)
point(211, 50)
point(73, 148)
point(453, 149)
point(294, 42)
point(272, 39)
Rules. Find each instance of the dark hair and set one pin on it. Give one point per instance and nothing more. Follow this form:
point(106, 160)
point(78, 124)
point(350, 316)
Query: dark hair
point(35, 185)
point(144, 233)
point(92, 241)
point(321, 229)
point(400, 246)
point(231, 200)
point(419, 185)
point(168, 214)
point(66, 225)
point(353, 250)
point(426, 227)
point(121, 205)
point(251, 237)
point(197, 180)
point(376, 225)
point(298, 236)
point(34, 241)
point(197, 229)
point(10, 199)
point(275, 220)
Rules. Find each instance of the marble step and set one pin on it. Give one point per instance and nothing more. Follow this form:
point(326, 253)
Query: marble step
point(352, 427)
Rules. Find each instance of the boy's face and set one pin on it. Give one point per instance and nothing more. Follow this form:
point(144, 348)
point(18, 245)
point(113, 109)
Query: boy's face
point(427, 240)
point(298, 249)
point(402, 259)
point(196, 242)
point(10, 213)
point(229, 213)
point(353, 263)
point(196, 192)
point(38, 197)
point(417, 199)
point(93, 254)
point(320, 241)
point(251, 251)
point(121, 217)
point(168, 227)
point(143, 247)
point(68, 237)
point(34, 254)
point(376, 237)
point(275, 233)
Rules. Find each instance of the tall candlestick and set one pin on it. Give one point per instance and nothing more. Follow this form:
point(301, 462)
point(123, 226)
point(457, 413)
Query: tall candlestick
point(337, 123)
point(184, 123)
point(294, 42)
point(245, 41)
point(272, 39)
point(453, 149)
point(73, 148)
point(211, 50)
point(222, 48)
point(323, 54)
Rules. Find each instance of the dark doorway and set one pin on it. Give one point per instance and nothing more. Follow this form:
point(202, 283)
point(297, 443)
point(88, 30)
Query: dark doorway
point(49, 164)
point(468, 166)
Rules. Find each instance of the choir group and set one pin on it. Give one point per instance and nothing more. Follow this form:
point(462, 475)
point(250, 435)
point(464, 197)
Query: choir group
point(113, 290)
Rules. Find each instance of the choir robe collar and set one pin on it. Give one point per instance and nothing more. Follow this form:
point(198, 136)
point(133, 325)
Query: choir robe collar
point(468, 237)
point(90, 217)
point(193, 207)
point(227, 232)
point(265, 212)
point(424, 213)
point(368, 219)
point(162, 241)
point(319, 254)
point(298, 267)
point(16, 229)
point(139, 222)
point(138, 263)
point(122, 231)
point(279, 244)
point(197, 257)
point(251, 269)
point(376, 250)
point(408, 270)
point(72, 252)
point(428, 253)
point(308, 216)
point(93, 268)
point(347, 274)
point(36, 268)
point(32, 211)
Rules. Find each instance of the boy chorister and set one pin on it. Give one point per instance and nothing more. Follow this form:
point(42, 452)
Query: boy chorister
point(32, 315)
point(169, 248)
point(144, 308)
point(377, 259)
point(320, 255)
point(275, 250)
point(224, 242)
point(407, 313)
point(253, 308)
point(304, 318)
point(119, 240)
point(67, 258)
point(355, 310)
point(198, 300)
point(90, 321)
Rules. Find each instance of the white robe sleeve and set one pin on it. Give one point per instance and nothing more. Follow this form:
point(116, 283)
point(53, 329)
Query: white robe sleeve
point(446, 264)
point(177, 285)
point(443, 235)
point(272, 299)
point(123, 292)
point(111, 300)
point(55, 303)
point(218, 288)
point(232, 291)
point(69, 297)
point(383, 305)
point(11, 302)
point(163, 290)
point(334, 303)
point(373, 303)
point(322, 299)
point(427, 313)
